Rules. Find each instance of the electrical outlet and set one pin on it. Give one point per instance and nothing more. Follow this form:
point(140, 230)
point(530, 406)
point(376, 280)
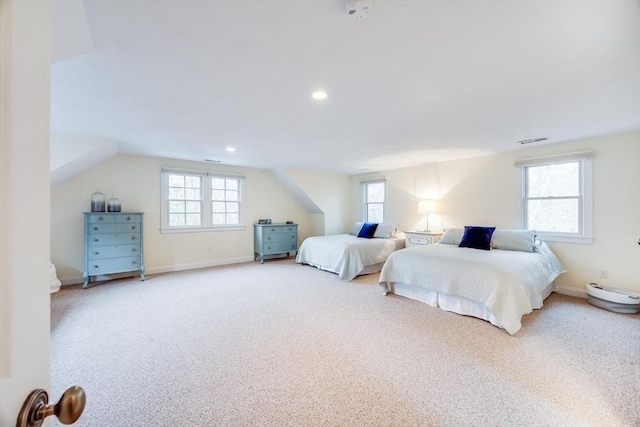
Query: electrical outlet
point(604, 274)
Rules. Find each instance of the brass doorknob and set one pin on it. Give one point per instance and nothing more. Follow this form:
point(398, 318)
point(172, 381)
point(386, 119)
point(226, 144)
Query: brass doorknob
point(67, 410)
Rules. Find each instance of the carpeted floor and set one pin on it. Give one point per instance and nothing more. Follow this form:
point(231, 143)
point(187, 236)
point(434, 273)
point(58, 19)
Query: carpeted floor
point(281, 344)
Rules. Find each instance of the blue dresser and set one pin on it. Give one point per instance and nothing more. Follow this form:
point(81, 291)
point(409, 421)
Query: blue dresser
point(270, 239)
point(112, 244)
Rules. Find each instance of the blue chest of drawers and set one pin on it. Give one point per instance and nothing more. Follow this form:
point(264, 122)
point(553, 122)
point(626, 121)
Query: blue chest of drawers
point(270, 239)
point(112, 244)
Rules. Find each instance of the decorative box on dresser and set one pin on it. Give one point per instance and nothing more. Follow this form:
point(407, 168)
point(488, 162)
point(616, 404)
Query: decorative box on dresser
point(272, 239)
point(421, 238)
point(112, 244)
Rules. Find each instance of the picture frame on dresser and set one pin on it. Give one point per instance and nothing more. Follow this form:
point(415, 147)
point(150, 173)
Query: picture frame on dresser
point(113, 243)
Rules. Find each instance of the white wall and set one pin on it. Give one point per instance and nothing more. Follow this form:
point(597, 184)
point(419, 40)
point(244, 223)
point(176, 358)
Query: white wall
point(73, 154)
point(483, 191)
point(330, 192)
point(136, 182)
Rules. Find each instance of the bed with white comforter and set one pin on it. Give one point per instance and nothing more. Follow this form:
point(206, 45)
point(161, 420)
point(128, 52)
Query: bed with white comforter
point(499, 286)
point(347, 255)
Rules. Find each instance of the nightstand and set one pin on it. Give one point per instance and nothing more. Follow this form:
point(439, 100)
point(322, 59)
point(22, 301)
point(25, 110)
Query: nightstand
point(422, 238)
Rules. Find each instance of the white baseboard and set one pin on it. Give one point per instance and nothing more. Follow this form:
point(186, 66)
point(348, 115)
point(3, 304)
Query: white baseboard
point(160, 270)
point(571, 291)
point(195, 266)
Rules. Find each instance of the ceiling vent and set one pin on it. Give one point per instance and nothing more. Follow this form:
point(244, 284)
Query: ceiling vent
point(211, 161)
point(529, 141)
point(358, 9)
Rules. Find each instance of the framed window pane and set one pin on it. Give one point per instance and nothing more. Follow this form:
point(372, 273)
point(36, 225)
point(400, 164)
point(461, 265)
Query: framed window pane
point(556, 180)
point(375, 212)
point(176, 180)
point(192, 182)
point(176, 193)
point(232, 184)
point(375, 192)
point(175, 207)
point(217, 183)
point(176, 220)
point(232, 195)
point(233, 207)
point(218, 207)
point(192, 219)
point(233, 218)
point(193, 207)
point(218, 218)
point(192, 194)
point(217, 195)
point(554, 215)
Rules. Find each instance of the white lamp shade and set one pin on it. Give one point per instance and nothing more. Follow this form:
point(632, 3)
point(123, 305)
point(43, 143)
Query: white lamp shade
point(428, 206)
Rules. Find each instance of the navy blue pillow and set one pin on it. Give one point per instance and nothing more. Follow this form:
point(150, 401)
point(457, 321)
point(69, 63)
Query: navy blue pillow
point(477, 237)
point(368, 230)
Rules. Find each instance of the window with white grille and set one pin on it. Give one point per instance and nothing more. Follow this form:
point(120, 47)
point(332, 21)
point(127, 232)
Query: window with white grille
point(201, 200)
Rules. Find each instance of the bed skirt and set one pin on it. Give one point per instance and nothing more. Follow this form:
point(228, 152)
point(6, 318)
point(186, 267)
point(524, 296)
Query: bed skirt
point(453, 303)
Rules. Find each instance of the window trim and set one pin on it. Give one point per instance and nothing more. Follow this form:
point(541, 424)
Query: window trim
point(363, 195)
point(585, 159)
point(206, 202)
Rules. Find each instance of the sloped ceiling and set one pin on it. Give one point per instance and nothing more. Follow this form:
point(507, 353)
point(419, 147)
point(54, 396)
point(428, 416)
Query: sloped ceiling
point(414, 82)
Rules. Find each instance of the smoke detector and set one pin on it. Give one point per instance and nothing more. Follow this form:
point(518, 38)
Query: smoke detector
point(358, 9)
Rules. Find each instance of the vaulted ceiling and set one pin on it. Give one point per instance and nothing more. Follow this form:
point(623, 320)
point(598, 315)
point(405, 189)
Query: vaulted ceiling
point(413, 82)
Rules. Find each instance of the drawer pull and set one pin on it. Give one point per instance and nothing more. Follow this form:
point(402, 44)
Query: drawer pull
point(134, 262)
point(96, 266)
point(269, 238)
point(96, 253)
point(293, 236)
point(269, 247)
point(95, 228)
point(133, 227)
point(95, 239)
point(101, 218)
point(128, 218)
point(133, 237)
point(134, 249)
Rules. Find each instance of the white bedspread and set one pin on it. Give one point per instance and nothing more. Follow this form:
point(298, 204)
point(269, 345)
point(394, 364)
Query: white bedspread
point(345, 254)
point(509, 283)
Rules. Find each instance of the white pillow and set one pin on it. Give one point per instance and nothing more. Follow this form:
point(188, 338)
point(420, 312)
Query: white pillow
point(355, 230)
point(452, 236)
point(385, 231)
point(514, 240)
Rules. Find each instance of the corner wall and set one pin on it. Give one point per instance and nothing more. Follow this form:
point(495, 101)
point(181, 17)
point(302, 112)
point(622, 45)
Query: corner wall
point(330, 192)
point(135, 181)
point(483, 191)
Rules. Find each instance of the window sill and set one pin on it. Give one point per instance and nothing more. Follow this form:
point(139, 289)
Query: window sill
point(558, 238)
point(201, 229)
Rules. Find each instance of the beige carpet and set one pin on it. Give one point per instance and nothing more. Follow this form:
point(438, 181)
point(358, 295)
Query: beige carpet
point(281, 344)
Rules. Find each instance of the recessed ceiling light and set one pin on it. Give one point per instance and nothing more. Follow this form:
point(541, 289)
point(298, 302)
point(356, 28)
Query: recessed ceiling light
point(319, 94)
point(231, 149)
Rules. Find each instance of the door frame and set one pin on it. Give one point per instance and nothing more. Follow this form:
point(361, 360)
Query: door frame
point(25, 82)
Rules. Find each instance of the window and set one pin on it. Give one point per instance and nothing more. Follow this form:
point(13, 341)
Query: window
point(556, 194)
point(185, 200)
point(374, 194)
point(225, 201)
point(201, 200)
